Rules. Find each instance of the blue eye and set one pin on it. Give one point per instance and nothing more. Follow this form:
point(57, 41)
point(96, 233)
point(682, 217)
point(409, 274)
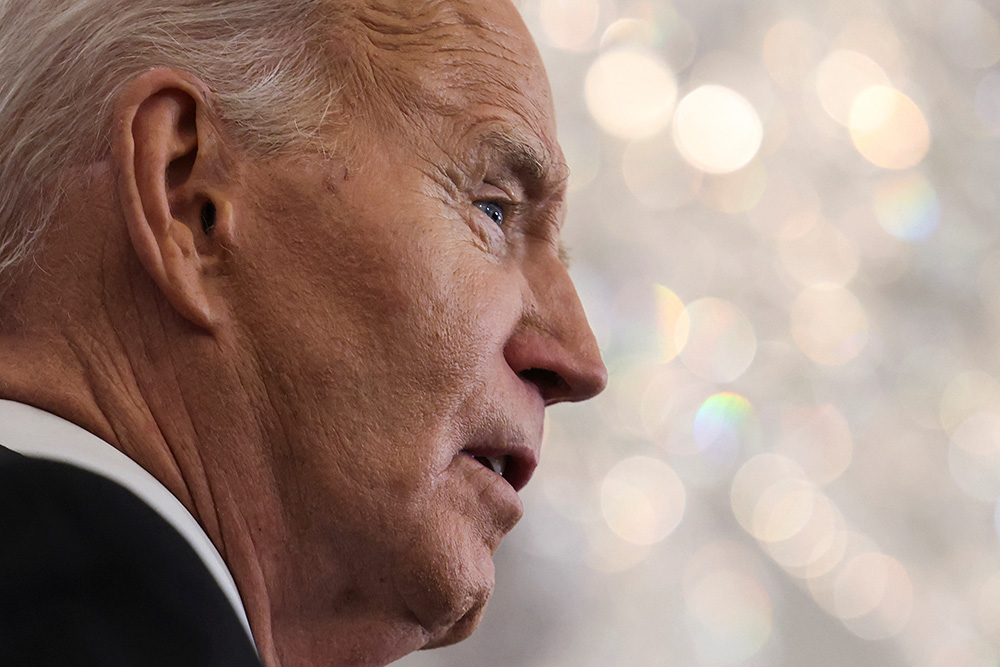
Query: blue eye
point(492, 209)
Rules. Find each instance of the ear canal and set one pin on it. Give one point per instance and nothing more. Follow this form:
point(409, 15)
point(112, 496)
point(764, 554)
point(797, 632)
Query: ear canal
point(208, 218)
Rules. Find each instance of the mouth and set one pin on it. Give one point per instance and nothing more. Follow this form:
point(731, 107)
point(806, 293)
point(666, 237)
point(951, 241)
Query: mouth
point(515, 464)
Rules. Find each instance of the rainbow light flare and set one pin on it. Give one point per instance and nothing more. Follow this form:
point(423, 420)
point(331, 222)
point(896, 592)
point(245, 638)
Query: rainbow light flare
point(669, 309)
point(908, 207)
point(721, 426)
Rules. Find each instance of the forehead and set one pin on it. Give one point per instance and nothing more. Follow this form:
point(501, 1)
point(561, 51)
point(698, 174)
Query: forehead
point(470, 62)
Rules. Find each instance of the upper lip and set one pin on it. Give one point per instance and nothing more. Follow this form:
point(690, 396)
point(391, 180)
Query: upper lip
point(519, 458)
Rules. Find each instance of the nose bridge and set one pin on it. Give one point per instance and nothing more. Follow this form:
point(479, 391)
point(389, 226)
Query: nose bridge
point(555, 347)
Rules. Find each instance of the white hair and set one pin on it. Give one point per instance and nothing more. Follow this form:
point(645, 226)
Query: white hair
point(63, 62)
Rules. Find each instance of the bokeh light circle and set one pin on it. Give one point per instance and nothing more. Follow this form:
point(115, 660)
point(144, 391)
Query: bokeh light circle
point(907, 206)
point(665, 404)
point(873, 595)
point(814, 548)
point(841, 77)
point(789, 208)
point(966, 394)
point(754, 478)
point(716, 129)
point(725, 426)
point(570, 24)
point(791, 48)
point(782, 510)
point(888, 128)
point(611, 554)
point(829, 325)
point(822, 255)
point(974, 456)
point(718, 341)
point(876, 37)
point(819, 438)
point(657, 176)
point(732, 614)
point(669, 311)
point(861, 585)
point(654, 25)
point(630, 93)
point(800, 527)
point(735, 192)
point(643, 500)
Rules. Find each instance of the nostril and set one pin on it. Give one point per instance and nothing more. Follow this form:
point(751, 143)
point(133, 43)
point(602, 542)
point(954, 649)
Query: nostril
point(551, 385)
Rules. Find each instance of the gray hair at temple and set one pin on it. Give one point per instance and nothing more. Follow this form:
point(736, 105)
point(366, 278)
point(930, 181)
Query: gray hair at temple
point(64, 61)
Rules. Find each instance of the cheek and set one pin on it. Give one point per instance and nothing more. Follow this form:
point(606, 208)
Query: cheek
point(450, 312)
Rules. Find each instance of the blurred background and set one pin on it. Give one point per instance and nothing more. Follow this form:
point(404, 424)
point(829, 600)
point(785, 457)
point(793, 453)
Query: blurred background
point(783, 224)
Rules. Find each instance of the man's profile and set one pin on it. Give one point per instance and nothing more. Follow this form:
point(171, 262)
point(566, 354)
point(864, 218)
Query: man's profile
point(282, 302)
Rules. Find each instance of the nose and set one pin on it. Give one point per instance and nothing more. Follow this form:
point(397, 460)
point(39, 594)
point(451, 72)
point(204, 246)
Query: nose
point(553, 347)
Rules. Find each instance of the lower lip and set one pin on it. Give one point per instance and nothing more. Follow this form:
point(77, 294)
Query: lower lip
point(497, 490)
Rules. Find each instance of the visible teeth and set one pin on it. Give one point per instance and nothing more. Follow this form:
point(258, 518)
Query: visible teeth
point(494, 463)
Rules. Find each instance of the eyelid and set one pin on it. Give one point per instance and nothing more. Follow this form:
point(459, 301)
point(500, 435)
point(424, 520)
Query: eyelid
point(503, 187)
point(497, 191)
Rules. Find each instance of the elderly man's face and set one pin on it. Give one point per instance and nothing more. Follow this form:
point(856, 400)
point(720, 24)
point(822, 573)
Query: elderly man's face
point(411, 316)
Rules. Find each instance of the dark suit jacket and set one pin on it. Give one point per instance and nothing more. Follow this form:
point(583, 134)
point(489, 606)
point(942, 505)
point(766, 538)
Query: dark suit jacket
point(91, 576)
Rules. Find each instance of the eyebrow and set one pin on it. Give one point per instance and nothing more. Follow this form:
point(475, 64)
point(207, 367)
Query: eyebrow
point(540, 172)
point(539, 169)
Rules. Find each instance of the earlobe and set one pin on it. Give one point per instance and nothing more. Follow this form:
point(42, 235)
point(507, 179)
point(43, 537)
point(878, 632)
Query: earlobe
point(172, 186)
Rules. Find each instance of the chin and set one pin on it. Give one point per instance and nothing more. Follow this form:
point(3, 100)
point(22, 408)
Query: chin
point(447, 593)
point(461, 629)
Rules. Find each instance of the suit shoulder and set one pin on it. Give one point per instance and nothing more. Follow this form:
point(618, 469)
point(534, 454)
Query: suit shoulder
point(83, 558)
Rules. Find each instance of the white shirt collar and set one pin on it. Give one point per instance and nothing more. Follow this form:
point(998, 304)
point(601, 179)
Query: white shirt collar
point(33, 432)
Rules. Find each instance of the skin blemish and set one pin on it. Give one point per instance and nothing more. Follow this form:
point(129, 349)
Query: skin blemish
point(335, 178)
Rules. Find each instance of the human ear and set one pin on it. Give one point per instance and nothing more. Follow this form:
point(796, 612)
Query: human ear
point(172, 182)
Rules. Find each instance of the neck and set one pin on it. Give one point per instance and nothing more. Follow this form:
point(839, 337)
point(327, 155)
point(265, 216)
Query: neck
point(84, 377)
point(92, 375)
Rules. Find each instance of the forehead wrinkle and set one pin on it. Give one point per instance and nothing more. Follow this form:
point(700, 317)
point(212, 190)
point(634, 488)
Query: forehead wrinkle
point(396, 26)
point(438, 55)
